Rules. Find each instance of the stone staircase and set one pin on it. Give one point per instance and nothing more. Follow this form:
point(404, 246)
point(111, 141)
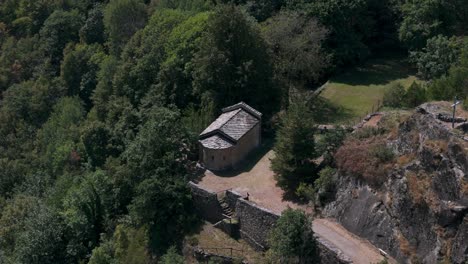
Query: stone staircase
point(227, 211)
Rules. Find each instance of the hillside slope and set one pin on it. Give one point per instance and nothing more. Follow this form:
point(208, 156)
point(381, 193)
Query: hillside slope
point(412, 203)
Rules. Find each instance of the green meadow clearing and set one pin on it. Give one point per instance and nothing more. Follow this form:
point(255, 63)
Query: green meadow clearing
point(353, 93)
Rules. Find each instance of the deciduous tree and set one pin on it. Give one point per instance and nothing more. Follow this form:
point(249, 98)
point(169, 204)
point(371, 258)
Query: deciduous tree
point(292, 239)
point(60, 28)
point(439, 54)
point(233, 64)
point(122, 18)
point(296, 44)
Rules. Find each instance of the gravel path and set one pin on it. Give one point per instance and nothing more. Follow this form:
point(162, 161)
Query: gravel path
point(351, 246)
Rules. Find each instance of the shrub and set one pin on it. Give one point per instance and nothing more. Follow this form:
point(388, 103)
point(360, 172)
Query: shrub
point(415, 95)
point(394, 95)
point(356, 159)
point(324, 186)
point(305, 192)
point(465, 103)
point(383, 261)
point(383, 153)
point(172, 257)
point(292, 239)
point(368, 132)
point(325, 181)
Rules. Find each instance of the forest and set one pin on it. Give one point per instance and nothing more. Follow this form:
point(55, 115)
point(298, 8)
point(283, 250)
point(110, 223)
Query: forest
point(102, 102)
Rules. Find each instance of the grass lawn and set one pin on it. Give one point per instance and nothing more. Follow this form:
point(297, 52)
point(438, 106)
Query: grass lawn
point(354, 92)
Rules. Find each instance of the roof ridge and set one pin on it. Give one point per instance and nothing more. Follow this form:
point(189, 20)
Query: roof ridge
point(221, 124)
point(245, 107)
point(220, 132)
point(227, 121)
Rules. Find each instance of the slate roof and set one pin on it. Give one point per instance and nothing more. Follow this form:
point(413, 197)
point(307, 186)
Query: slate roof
point(216, 142)
point(230, 126)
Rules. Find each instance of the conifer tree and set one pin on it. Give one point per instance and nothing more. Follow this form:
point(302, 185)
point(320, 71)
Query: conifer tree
point(294, 147)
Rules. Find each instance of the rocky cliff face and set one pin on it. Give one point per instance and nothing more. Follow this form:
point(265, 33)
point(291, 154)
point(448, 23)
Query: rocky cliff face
point(419, 213)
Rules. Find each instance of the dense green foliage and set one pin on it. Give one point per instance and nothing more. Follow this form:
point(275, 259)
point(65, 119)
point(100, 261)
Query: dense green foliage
point(292, 239)
point(394, 95)
point(438, 56)
point(101, 102)
point(233, 64)
point(415, 95)
point(295, 147)
point(296, 42)
point(454, 84)
point(424, 19)
point(122, 18)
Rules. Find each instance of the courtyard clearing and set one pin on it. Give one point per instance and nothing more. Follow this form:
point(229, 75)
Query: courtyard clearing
point(257, 179)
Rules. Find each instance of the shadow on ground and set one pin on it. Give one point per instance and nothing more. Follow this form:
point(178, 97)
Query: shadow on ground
point(250, 161)
point(326, 112)
point(377, 71)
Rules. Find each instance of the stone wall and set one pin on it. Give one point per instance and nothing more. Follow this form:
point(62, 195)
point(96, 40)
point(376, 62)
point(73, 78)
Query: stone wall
point(246, 144)
point(231, 198)
point(222, 159)
point(217, 159)
point(206, 203)
point(330, 254)
point(255, 223)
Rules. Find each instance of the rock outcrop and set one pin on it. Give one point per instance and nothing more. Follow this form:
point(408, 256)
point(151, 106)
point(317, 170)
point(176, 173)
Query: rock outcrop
point(420, 212)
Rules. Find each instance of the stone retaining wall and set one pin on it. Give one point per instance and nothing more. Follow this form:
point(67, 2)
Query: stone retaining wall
point(206, 203)
point(329, 254)
point(232, 197)
point(255, 223)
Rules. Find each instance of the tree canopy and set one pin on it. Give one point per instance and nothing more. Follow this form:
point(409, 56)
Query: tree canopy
point(295, 147)
point(292, 239)
point(102, 102)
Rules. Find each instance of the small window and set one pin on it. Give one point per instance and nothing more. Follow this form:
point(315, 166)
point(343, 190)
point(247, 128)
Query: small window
point(212, 157)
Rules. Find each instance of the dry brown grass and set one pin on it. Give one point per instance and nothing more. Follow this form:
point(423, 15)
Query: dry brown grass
point(418, 187)
point(407, 249)
point(405, 245)
point(391, 121)
point(433, 201)
point(464, 186)
point(439, 146)
point(406, 159)
point(358, 158)
point(214, 240)
point(388, 199)
point(393, 134)
point(447, 249)
point(447, 242)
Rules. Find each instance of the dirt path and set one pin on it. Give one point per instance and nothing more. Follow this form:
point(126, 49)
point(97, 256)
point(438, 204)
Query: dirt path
point(258, 181)
point(373, 121)
point(352, 246)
